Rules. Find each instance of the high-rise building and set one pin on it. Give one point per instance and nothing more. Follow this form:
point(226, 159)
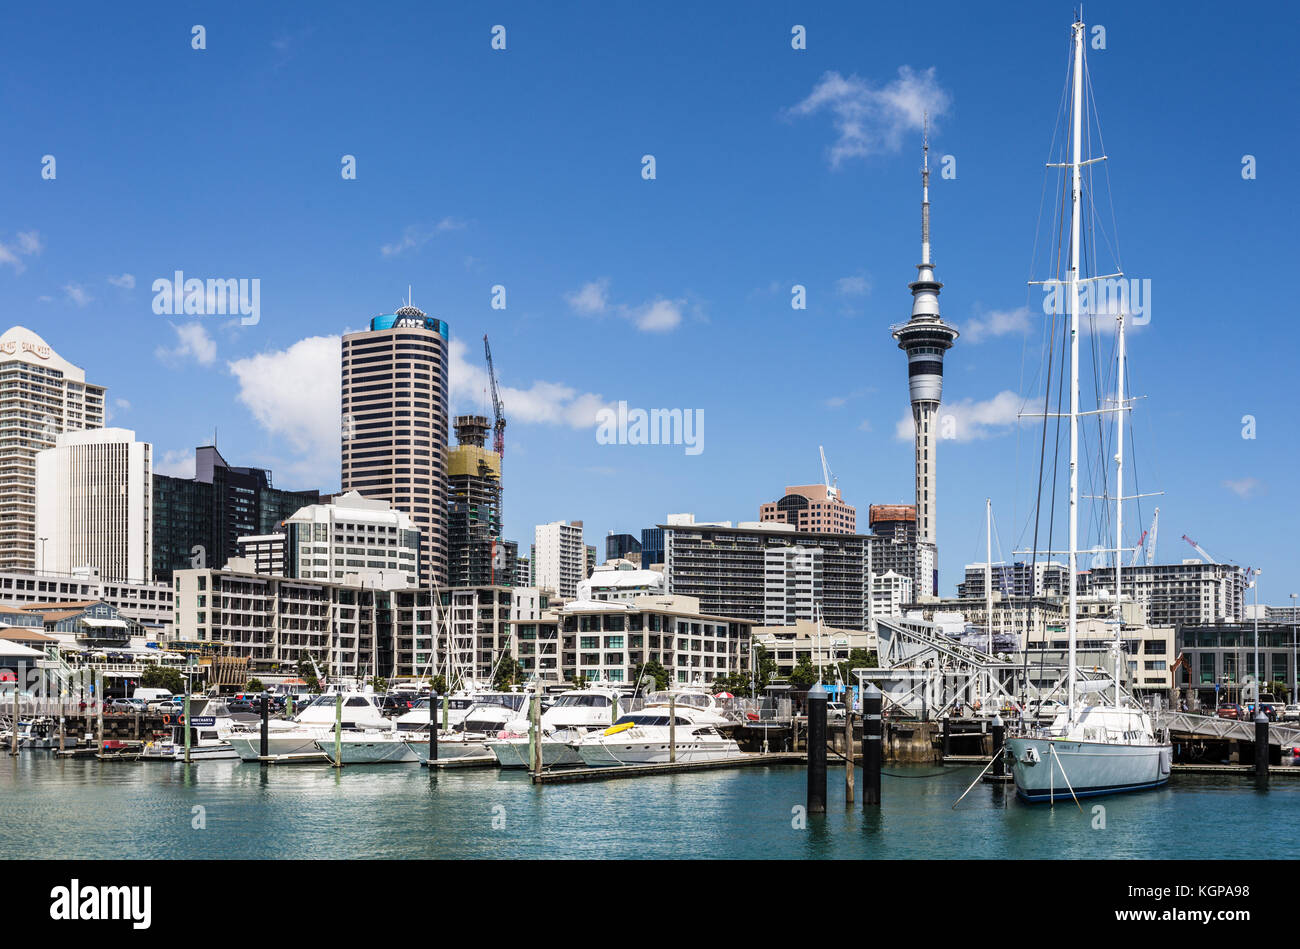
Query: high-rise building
point(1190, 593)
point(523, 572)
point(559, 557)
point(41, 396)
point(618, 546)
point(925, 338)
point(476, 554)
point(652, 546)
point(94, 496)
point(727, 569)
point(394, 439)
point(895, 545)
point(197, 522)
point(1018, 580)
point(812, 507)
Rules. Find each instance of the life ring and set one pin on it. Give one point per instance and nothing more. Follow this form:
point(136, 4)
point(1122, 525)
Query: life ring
point(167, 718)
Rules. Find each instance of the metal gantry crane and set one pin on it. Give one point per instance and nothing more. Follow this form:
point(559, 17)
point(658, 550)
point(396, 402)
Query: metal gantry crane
point(499, 427)
point(1197, 547)
point(832, 483)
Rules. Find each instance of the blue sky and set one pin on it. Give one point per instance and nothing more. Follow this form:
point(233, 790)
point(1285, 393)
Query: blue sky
point(522, 168)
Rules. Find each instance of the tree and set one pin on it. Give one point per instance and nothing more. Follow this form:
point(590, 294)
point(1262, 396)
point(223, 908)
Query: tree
point(655, 669)
point(738, 683)
point(579, 680)
point(439, 684)
point(254, 685)
point(510, 672)
point(803, 675)
point(163, 677)
point(379, 683)
point(858, 659)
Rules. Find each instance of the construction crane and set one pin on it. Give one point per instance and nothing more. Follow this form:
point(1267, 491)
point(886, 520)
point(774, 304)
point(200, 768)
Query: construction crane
point(1197, 547)
point(1150, 545)
point(832, 483)
point(499, 428)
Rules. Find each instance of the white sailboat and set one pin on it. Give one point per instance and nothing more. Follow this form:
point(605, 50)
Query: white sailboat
point(1094, 746)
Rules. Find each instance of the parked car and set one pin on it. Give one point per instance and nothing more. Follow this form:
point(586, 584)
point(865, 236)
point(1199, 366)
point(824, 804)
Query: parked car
point(1291, 713)
point(124, 706)
point(834, 711)
point(171, 707)
point(1230, 710)
point(1269, 712)
point(243, 705)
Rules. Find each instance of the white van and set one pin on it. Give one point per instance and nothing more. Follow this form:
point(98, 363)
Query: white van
point(152, 696)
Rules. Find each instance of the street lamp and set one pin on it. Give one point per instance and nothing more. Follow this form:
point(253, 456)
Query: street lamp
point(1259, 709)
point(1295, 627)
point(43, 540)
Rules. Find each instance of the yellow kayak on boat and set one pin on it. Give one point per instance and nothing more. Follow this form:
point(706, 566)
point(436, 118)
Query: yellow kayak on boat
point(615, 729)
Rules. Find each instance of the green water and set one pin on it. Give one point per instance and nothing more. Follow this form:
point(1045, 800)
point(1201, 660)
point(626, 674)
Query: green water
point(76, 808)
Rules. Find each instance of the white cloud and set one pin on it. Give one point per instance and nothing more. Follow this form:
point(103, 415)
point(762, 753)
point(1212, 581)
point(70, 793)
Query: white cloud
point(968, 420)
point(547, 403)
point(855, 286)
point(996, 323)
point(176, 463)
point(126, 281)
point(1245, 487)
point(870, 119)
point(865, 425)
point(591, 299)
point(414, 236)
point(29, 243)
point(122, 404)
point(295, 395)
point(192, 342)
point(77, 294)
point(657, 316)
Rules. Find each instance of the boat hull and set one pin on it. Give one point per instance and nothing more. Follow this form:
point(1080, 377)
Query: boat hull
point(369, 751)
point(513, 753)
point(167, 751)
point(249, 748)
point(608, 754)
point(1062, 769)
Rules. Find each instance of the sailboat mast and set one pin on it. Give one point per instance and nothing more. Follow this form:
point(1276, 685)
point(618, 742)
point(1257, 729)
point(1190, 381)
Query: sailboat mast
point(988, 570)
point(1119, 502)
point(1075, 227)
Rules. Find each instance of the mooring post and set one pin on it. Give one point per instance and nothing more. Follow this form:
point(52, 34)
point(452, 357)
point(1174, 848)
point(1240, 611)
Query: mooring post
point(433, 729)
point(338, 731)
point(1261, 742)
point(947, 737)
point(187, 727)
point(999, 739)
point(872, 754)
point(99, 708)
point(816, 705)
point(849, 763)
point(672, 729)
point(265, 748)
point(13, 731)
point(535, 731)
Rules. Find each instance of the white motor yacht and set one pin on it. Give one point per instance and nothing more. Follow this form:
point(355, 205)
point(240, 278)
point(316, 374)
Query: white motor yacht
point(559, 748)
point(592, 708)
point(645, 737)
point(206, 744)
point(369, 746)
point(298, 735)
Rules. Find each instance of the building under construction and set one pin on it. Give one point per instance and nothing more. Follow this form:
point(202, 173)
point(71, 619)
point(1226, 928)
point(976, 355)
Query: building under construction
point(477, 556)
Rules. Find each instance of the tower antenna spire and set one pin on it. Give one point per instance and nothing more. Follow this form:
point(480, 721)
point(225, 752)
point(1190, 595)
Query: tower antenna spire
point(925, 189)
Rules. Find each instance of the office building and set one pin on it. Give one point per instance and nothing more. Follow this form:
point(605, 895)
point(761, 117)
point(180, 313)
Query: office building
point(1222, 655)
point(726, 568)
point(268, 553)
point(94, 497)
point(394, 439)
point(476, 554)
point(1019, 579)
point(652, 546)
point(1191, 593)
point(197, 522)
point(352, 535)
point(42, 395)
point(812, 507)
point(559, 557)
point(149, 604)
point(895, 544)
point(619, 546)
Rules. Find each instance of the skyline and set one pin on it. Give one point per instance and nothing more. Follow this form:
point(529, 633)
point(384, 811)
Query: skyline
point(616, 290)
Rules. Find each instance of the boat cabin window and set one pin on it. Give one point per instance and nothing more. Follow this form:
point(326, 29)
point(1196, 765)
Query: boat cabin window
point(356, 703)
point(644, 719)
point(582, 701)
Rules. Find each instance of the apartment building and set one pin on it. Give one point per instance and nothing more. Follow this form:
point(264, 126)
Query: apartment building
point(811, 507)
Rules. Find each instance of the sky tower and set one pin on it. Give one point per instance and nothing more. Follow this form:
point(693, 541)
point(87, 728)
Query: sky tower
point(925, 338)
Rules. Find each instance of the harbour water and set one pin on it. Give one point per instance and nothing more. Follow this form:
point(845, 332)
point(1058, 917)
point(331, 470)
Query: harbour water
point(77, 808)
